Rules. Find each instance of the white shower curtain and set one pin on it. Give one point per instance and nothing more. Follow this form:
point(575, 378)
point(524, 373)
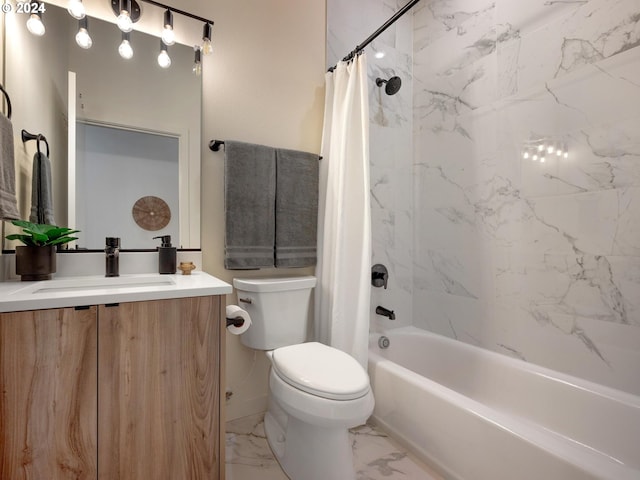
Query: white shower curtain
point(344, 245)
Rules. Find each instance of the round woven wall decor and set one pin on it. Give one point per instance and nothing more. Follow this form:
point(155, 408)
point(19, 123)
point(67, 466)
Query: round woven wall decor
point(151, 213)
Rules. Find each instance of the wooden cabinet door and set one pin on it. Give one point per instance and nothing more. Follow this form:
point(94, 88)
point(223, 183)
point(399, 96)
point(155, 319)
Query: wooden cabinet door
point(48, 392)
point(159, 390)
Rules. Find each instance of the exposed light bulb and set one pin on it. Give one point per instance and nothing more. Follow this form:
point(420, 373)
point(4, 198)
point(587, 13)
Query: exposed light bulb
point(83, 39)
point(566, 154)
point(535, 157)
point(559, 152)
point(163, 58)
point(525, 155)
point(550, 149)
point(542, 159)
point(76, 9)
point(541, 147)
point(379, 55)
point(35, 25)
point(125, 49)
point(124, 21)
point(197, 63)
point(207, 48)
point(168, 35)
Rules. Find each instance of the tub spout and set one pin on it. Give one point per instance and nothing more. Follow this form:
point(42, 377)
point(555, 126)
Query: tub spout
point(385, 312)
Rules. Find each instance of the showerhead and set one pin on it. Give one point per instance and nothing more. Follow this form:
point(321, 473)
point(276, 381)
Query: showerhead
point(392, 85)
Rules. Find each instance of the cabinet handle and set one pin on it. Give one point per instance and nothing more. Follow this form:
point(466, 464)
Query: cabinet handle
point(82, 307)
point(111, 304)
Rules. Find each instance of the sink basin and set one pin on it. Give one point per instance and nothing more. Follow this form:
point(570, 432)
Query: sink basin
point(98, 283)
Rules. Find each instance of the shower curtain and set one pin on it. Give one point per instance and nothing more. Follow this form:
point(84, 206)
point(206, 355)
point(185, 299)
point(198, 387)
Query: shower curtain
point(344, 245)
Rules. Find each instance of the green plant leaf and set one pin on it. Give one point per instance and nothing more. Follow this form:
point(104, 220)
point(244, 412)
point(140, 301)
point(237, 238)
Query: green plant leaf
point(62, 240)
point(42, 234)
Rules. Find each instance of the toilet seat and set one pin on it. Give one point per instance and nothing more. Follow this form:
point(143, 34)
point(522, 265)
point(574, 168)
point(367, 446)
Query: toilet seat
point(321, 370)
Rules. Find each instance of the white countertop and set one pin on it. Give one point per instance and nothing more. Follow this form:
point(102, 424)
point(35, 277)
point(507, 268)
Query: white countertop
point(98, 289)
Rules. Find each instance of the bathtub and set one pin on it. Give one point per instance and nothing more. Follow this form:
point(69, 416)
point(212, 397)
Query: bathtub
point(477, 415)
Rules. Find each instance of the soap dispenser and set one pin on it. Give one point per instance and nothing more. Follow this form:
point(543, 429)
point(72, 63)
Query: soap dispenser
point(166, 255)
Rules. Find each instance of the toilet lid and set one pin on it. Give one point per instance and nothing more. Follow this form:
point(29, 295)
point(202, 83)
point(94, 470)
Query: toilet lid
point(321, 370)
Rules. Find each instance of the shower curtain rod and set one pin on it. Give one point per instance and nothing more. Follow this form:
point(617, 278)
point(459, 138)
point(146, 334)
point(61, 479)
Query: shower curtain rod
point(375, 34)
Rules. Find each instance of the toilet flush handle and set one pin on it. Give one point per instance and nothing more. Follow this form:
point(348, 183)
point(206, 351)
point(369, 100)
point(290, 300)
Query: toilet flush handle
point(245, 300)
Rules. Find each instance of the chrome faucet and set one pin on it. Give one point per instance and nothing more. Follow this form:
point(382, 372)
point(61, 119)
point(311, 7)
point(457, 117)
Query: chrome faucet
point(385, 312)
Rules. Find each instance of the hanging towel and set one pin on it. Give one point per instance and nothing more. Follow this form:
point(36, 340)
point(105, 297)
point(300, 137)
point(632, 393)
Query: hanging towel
point(8, 201)
point(41, 203)
point(296, 208)
point(250, 188)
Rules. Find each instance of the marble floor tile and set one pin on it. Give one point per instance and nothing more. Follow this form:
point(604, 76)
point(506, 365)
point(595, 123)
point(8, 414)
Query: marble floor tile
point(376, 456)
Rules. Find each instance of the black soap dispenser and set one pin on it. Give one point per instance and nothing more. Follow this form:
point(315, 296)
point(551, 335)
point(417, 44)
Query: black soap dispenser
point(166, 255)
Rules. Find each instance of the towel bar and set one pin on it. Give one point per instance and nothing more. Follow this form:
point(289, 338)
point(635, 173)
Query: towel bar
point(26, 136)
point(214, 146)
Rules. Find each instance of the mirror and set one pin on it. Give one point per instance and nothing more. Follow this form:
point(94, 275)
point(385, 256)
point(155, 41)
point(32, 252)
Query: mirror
point(124, 134)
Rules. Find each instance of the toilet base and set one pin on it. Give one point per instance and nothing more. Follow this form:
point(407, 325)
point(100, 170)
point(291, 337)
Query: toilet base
point(308, 452)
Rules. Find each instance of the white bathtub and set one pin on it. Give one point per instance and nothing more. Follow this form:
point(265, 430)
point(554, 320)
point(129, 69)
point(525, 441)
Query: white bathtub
point(479, 415)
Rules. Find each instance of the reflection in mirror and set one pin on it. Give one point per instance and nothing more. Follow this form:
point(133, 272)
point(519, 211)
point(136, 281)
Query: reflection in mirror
point(105, 107)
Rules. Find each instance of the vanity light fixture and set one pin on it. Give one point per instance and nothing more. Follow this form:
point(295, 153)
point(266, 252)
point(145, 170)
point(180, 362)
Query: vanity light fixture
point(164, 60)
point(168, 35)
point(83, 39)
point(127, 13)
point(197, 63)
point(206, 39)
point(125, 49)
point(35, 25)
point(76, 9)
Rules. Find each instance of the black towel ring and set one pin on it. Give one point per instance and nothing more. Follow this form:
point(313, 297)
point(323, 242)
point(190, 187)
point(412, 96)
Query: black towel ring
point(26, 136)
point(6, 96)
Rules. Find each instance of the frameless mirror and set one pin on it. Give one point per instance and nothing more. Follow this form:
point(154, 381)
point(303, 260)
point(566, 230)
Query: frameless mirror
point(124, 133)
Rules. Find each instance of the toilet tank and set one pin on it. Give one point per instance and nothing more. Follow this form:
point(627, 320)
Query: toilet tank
point(279, 310)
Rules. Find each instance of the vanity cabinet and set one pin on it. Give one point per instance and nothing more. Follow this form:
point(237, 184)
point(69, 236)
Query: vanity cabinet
point(126, 391)
point(48, 395)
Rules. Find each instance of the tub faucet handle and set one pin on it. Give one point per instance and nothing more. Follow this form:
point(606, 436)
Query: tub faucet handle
point(379, 275)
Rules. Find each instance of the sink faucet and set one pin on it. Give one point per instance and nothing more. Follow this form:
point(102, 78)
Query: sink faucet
point(385, 312)
point(112, 253)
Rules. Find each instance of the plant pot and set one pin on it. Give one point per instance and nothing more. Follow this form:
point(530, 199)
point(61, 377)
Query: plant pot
point(35, 263)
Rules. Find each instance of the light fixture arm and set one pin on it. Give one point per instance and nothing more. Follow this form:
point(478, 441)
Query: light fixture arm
point(177, 10)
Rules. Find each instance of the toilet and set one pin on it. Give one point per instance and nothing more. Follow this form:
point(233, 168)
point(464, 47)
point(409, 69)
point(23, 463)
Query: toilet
point(316, 392)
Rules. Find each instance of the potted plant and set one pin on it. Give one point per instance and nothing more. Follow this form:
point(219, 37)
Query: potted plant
point(36, 259)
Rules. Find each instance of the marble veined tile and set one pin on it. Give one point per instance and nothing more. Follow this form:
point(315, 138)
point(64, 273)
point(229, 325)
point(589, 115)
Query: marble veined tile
point(376, 456)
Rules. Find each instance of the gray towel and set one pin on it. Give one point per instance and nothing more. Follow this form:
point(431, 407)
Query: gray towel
point(249, 188)
point(296, 208)
point(41, 203)
point(8, 201)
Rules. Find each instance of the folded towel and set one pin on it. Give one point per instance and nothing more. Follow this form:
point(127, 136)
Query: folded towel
point(41, 203)
point(249, 188)
point(296, 208)
point(8, 201)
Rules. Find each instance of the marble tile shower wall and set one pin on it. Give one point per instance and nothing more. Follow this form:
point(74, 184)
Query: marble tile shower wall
point(391, 150)
point(540, 261)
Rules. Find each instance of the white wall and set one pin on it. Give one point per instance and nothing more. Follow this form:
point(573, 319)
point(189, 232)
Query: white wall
point(264, 83)
point(534, 260)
